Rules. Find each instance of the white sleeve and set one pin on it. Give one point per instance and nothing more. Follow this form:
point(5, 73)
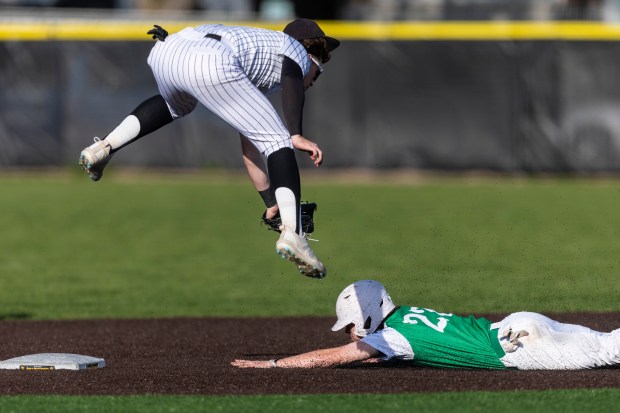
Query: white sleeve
point(295, 51)
point(391, 343)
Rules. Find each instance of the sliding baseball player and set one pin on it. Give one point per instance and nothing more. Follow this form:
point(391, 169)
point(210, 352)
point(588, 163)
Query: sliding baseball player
point(381, 331)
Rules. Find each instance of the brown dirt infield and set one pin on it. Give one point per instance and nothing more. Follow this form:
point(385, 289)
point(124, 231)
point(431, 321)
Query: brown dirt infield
point(192, 356)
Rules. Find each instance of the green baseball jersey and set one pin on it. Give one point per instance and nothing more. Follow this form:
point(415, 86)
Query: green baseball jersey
point(437, 339)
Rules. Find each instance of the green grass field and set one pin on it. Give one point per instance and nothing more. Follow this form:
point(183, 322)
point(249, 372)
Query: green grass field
point(561, 401)
point(173, 246)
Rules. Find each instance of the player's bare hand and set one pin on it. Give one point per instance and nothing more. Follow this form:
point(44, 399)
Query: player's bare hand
point(311, 148)
point(252, 364)
point(270, 213)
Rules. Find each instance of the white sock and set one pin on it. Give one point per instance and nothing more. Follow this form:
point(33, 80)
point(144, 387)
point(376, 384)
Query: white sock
point(288, 207)
point(126, 131)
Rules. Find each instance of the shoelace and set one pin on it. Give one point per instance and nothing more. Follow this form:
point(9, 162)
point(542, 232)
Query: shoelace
point(309, 239)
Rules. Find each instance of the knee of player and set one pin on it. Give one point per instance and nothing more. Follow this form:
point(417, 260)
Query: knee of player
point(269, 148)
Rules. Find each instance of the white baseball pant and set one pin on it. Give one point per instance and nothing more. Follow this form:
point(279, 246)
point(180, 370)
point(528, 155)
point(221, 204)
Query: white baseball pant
point(552, 345)
point(189, 68)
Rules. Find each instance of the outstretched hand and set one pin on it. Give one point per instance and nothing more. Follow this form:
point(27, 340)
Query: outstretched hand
point(249, 364)
point(311, 148)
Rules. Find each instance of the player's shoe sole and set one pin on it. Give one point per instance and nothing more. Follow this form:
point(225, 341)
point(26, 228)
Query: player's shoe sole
point(295, 248)
point(94, 158)
point(306, 269)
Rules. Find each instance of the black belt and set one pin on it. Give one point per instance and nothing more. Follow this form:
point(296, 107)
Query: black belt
point(214, 36)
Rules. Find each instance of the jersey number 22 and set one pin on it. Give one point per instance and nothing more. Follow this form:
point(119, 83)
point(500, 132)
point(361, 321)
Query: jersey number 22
point(418, 314)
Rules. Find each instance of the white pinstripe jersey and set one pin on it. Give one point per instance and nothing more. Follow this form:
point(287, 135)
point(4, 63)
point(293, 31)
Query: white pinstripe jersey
point(230, 77)
point(260, 52)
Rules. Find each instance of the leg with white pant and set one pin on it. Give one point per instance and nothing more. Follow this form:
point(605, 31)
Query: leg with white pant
point(233, 97)
point(292, 245)
point(552, 345)
point(220, 84)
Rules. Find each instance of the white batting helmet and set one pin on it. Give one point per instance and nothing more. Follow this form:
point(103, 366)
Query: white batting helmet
point(364, 303)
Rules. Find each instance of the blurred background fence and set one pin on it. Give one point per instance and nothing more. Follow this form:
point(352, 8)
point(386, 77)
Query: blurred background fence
point(500, 85)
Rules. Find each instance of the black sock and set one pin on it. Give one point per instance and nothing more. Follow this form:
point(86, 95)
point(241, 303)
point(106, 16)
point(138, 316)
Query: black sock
point(152, 114)
point(284, 172)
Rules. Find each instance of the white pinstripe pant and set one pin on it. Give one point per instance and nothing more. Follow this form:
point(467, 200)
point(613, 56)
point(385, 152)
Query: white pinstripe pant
point(552, 345)
point(190, 68)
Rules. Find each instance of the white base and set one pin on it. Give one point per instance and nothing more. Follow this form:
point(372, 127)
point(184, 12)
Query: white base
point(52, 361)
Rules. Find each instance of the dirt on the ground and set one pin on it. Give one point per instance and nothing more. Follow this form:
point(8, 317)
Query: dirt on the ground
point(193, 355)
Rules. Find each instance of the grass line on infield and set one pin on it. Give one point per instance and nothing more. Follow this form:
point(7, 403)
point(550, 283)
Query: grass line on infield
point(560, 401)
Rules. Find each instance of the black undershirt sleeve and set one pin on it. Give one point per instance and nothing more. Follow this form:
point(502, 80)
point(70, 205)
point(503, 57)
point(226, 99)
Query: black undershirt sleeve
point(293, 96)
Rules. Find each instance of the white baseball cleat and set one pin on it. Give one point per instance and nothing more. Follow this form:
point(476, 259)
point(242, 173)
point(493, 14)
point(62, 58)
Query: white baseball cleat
point(295, 248)
point(94, 158)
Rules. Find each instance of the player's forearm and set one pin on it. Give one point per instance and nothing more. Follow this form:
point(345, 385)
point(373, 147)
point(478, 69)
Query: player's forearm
point(319, 358)
point(255, 165)
point(257, 176)
point(313, 359)
point(330, 357)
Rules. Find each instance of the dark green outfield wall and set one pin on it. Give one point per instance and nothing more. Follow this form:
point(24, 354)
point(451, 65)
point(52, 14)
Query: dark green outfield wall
point(450, 105)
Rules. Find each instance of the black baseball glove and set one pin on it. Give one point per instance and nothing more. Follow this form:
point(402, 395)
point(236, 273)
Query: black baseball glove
point(158, 33)
point(307, 219)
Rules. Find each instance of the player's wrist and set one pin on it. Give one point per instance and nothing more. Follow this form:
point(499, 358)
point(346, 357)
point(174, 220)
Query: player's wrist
point(269, 198)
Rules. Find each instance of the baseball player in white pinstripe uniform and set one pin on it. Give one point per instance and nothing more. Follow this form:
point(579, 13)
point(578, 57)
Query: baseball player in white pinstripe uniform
point(231, 70)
